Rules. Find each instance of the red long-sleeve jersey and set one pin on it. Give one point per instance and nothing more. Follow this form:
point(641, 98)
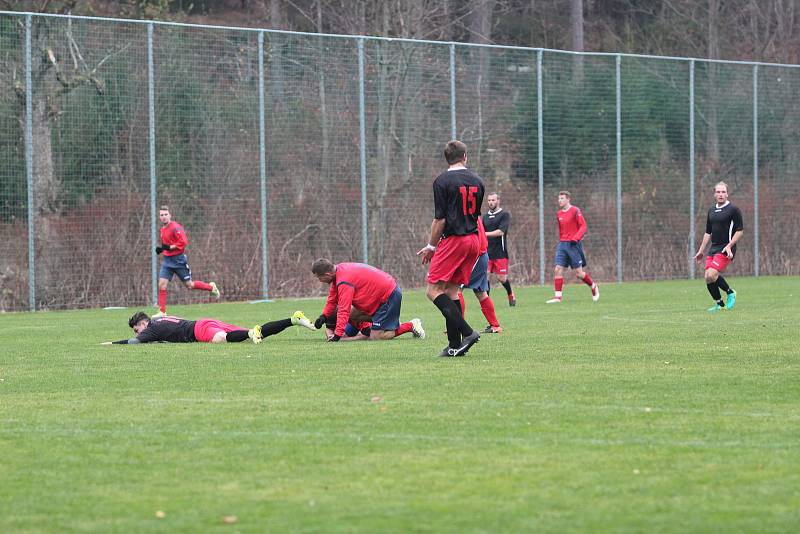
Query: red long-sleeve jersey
point(360, 285)
point(174, 234)
point(571, 224)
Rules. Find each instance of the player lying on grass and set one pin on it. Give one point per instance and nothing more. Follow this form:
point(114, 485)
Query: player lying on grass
point(176, 330)
point(362, 288)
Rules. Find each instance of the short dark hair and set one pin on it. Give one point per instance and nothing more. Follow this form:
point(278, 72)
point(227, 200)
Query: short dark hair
point(322, 266)
point(565, 193)
point(164, 208)
point(454, 151)
point(137, 318)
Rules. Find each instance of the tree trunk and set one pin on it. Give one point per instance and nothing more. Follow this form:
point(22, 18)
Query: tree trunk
point(324, 164)
point(713, 81)
point(576, 29)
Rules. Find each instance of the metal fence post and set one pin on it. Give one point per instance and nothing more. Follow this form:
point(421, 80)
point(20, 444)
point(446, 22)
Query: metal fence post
point(29, 164)
point(262, 169)
point(452, 91)
point(692, 214)
point(756, 257)
point(363, 152)
point(619, 168)
point(540, 131)
point(151, 104)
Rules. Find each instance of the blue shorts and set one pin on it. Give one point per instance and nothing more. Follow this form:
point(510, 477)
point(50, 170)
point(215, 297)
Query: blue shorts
point(175, 265)
point(569, 255)
point(479, 279)
point(387, 316)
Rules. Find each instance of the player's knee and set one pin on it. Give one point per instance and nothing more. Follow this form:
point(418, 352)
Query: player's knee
point(189, 284)
point(711, 276)
point(219, 337)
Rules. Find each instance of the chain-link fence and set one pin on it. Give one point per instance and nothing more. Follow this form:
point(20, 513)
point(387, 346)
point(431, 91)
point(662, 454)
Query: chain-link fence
point(275, 148)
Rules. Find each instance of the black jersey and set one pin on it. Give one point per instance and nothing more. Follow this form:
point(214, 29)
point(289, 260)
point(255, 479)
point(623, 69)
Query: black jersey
point(498, 220)
point(457, 198)
point(722, 223)
point(170, 329)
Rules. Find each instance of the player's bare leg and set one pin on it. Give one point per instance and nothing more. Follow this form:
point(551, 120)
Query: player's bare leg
point(558, 284)
point(584, 277)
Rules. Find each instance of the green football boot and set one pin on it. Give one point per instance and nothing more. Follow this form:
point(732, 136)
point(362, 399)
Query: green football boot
point(715, 308)
point(731, 301)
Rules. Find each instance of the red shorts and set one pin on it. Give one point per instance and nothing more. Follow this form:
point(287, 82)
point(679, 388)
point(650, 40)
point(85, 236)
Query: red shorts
point(718, 262)
point(206, 329)
point(499, 266)
point(454, 258)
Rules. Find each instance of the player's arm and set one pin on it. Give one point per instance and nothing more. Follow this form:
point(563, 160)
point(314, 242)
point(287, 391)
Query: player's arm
point(496, 233)
point(345, 292)
point(180, 239)
point(728, 250)
point(703, 245)
point(437, 229)
point(131, 341)
point(582, 228)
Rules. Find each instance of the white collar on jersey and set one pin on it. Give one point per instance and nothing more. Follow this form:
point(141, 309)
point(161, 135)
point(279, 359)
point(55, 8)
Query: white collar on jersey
point(490, 212)
point(720, 207)
point(457, 168)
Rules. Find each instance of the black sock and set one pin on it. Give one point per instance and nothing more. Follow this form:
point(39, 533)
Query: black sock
point(488, 287)
point(274, 327)
point(457, 302)
point(507, 285)
point(713, 288)
point(236, 336)
point(723, 285)
point(456, 325)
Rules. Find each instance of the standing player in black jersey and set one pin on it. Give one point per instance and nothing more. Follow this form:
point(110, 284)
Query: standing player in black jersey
point(496, 222)
point(170, 329)
point(454, 244)
point(723, 229)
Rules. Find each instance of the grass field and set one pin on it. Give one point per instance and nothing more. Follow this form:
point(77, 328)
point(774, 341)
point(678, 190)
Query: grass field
point(639, 413)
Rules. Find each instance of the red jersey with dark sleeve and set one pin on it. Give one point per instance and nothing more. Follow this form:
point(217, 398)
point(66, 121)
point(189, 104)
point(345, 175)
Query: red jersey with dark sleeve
point(174, 234)
point(360, 285)
point(457, 198)
point(571, 224)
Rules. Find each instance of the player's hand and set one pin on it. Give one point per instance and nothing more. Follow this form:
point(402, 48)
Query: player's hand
point(106, 343)
point(159, 250)
point(426, 254)
point(698, 256)
point(727, 251)
point(334, 338)
point(320, 322)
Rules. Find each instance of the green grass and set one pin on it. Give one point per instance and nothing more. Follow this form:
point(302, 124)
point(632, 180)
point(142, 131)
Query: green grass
point(639, 413)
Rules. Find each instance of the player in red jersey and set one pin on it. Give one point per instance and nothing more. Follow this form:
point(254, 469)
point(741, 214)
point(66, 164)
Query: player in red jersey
point(173, 244)
point(571, 229)
point(454, 244)
point(167, 329)
point(359, 292)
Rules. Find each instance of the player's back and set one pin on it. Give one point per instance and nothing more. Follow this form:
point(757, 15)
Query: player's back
point(170, 329)
point(458, 197)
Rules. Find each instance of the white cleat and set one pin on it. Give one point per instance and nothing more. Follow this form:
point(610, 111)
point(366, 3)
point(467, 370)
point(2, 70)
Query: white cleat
point(416, 328)
point(158, 314)
point(554, 301)
point(299, 319)
point(214, 289)
point(595, 292)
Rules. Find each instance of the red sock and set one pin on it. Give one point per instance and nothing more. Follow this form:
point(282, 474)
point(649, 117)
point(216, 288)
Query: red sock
point(162, 300)
point(487, 307)
point(463, 304)
point(404, 328)
point(588, 280)
point(559, 283)
point(365, 324)
point(202, 285)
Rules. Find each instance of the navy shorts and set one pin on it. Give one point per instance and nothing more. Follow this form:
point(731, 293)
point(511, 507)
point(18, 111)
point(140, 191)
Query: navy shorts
point(569, 255)
point(175, 265)
point(387, 316)
point(479, 279)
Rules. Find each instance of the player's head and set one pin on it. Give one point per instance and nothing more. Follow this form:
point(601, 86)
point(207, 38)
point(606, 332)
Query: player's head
point(564, 198)
point(493, 201)
point(164, 215)
point(324, 270)
point(455, 152)
point(139, 321)
point(721, 192)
